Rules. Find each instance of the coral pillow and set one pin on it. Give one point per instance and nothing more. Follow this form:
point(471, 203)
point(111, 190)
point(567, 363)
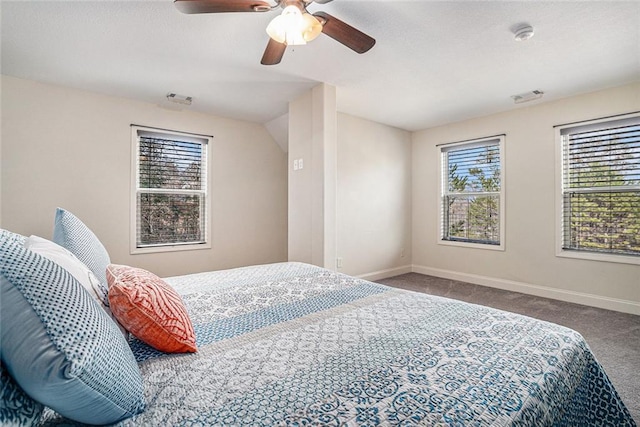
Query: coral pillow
point(150, 309)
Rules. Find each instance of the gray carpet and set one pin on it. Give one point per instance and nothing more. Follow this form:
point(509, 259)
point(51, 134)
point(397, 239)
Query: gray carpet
point(613, 337)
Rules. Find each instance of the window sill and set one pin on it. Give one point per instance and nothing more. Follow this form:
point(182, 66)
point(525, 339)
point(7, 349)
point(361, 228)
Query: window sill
point(591, 256)
point(472, 245)
point(169, 248)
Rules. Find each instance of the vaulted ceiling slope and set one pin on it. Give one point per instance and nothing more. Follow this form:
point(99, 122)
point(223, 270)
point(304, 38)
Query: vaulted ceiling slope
point(434, 62)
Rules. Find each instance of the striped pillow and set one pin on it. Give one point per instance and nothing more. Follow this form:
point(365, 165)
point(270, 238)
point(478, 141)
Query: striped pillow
point(150, 309)
point(72, 234)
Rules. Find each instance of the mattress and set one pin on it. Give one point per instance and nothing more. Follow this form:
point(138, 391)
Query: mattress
point(294, 344)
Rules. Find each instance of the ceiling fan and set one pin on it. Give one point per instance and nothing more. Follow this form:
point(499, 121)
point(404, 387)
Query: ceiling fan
point(294, 26)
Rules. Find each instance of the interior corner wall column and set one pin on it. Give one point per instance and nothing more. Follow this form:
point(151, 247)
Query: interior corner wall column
point(313, 177)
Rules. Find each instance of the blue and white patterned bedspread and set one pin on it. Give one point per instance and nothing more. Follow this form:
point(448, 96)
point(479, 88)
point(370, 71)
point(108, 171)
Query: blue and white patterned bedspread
point(294, 344)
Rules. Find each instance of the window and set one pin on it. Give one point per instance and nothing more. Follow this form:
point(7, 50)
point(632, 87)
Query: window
point(600, 190)
point(472, 197)
point(170, 195)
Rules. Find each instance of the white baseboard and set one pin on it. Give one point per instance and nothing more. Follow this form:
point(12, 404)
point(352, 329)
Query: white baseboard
point(625, 306)
point(383, 274)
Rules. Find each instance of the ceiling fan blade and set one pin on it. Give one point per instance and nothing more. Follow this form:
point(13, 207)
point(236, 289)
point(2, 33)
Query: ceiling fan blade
point(322, 1)
point(220, 6)
point(344, 33)
point(273, 53)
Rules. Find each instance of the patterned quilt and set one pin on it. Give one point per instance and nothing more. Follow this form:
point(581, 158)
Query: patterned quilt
point(293, 344)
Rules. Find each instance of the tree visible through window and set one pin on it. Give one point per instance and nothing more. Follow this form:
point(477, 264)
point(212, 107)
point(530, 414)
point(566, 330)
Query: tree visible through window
point(601, 187)
point(171, 189)
point(472, 192)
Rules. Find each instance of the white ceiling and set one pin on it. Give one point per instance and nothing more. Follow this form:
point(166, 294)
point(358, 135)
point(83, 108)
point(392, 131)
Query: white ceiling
point(434, 62)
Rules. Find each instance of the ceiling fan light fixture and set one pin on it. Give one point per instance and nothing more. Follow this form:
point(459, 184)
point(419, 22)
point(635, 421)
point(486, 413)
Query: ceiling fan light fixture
point(294, 27)
point(312, 28)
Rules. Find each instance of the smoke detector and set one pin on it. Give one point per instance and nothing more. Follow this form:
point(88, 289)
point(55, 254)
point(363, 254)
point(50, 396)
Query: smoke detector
point(523, 32)
point(527, 96)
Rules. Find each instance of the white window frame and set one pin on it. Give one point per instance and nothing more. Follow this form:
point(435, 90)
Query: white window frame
point(560, 232)
point(443, 190)
point(205, 140)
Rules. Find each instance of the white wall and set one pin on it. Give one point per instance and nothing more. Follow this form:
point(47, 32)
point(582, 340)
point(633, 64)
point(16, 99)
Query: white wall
point(69, 148)
point(374, 198)
point(529, 263)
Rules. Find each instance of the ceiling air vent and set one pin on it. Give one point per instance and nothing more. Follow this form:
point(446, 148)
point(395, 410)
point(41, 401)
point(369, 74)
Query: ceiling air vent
point(179, 99)
point(527, 96)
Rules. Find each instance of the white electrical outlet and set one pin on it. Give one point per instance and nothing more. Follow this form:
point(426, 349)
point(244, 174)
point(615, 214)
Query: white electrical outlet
point(300, 164)
point(295, 165)
point(339, 262)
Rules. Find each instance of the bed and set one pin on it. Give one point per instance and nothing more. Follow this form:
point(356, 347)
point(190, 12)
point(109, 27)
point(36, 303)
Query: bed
point(295, 344)
point(286, 344)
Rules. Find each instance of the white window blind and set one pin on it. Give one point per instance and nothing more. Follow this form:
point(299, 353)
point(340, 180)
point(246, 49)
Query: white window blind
point(472, 197)
point(601, 187)
point(170, 190)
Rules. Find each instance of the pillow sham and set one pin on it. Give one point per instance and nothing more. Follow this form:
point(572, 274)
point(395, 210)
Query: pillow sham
point(150, 309)
point(59, 345)
point(72, 234)
point(65, 259)
point(16, 407)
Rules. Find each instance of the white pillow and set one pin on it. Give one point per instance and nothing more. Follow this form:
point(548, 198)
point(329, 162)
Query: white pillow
point(76, 268)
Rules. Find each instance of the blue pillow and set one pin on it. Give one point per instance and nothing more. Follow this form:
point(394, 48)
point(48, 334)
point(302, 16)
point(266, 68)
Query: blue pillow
point(72, 234)
point(16, 407)
point(59, 345)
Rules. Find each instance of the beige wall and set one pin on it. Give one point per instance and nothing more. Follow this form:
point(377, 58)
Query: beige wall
point(63, 147)
point(68, 148)
point(529, 263)
point(374, 198)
